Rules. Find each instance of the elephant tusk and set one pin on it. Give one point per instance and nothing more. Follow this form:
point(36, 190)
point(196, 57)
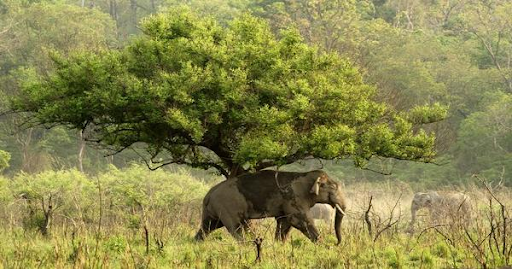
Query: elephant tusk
point(341, 210)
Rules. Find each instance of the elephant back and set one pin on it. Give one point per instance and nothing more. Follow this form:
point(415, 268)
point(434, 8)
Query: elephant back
point(260, 187)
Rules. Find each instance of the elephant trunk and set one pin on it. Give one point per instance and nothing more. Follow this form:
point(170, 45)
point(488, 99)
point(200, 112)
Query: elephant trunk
point(337, 222)
point(414, 209)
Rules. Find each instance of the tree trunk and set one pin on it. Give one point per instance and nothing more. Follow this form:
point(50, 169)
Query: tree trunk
point(24, 139)
point(153, 6)
point(113, 9)
point(48, 214)
point(133, 8)
point(81, 151)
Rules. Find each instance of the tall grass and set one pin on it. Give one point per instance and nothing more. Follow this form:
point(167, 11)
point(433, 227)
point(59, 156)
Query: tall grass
point(134, 218)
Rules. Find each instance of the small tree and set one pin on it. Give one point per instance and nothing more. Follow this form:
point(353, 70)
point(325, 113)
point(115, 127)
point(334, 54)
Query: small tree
point(52, 194)
point(233, 98)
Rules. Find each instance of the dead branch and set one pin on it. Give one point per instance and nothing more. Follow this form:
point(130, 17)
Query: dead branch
point(367, 216)
point(504, 218)
point(428, 228)
point(478, 248)
point(389, 225)
point(390, 220)
point(450, 241)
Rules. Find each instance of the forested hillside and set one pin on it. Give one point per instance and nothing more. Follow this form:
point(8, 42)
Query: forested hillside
point(451, 53)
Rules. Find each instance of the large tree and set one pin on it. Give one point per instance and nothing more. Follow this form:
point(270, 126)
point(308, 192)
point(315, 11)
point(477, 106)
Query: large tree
point(233, 98)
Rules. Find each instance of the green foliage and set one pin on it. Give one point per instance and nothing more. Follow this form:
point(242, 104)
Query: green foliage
point(136, 186)
point(61, 185)
point(488, 23)
point(413, 54)
point(224, 11)
point(427, 114)
point(5, 157)
point(44, 27)
point(443, 52)
point(212, 92)
point(201, 94)
point(71, 194)
point(29, 32)
point(116, 244)
point(485, 137)
point(5, 193)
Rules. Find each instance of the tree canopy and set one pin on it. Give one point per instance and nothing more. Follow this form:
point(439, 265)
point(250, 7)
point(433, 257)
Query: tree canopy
point(233, 98)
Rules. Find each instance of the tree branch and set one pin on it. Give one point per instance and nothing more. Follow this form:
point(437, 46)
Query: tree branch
point(203, 165)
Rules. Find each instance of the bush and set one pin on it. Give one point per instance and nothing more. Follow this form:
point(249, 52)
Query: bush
point(136, 186)
point(50, 193)
point(5, 157)
point(130, 196)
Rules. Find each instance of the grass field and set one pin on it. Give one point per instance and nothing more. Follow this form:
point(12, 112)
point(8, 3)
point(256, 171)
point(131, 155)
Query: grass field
point(139, 219)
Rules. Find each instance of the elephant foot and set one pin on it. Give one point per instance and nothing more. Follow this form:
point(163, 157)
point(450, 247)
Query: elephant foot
point(199, 236)
point(314, 238)
point(310, 232)
point(282, 229)
point(208, 225)
point(237, 232)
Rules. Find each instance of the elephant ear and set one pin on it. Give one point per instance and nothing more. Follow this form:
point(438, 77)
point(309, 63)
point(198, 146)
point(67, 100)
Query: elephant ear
point(316, 186)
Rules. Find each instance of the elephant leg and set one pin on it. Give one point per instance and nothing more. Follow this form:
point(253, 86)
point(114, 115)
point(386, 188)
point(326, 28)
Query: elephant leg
point(304, 224)
point(207, 226)
point(283, 228)
point(234, 226)
point(436, 215)
point(410, 229)
point(236, 231)
point(248, 228)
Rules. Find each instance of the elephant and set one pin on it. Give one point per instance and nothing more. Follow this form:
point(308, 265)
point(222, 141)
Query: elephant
point(286, 196)
point(323, 212)
point(455, 204)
